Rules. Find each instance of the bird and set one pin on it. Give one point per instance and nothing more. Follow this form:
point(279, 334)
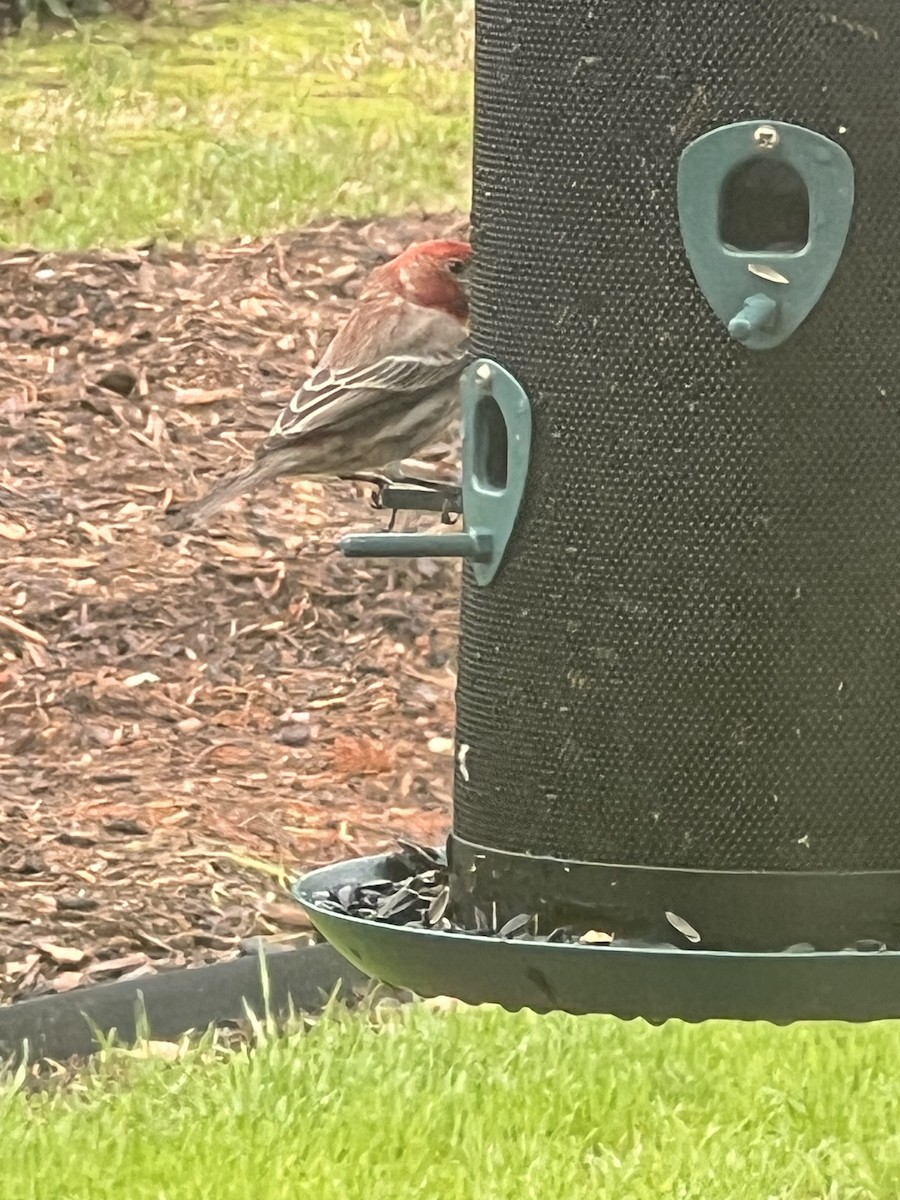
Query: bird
point(386, 387)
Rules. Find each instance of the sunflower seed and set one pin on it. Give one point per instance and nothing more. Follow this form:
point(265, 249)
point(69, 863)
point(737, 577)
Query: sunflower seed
point(764, 272)
point(686, 930)
point(514, 925)
point(401, 899)
point(595, 937)
point(438, 906)
point(421, 858)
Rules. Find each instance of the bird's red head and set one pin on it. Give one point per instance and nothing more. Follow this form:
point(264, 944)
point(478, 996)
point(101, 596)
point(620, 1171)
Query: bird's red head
point(432, 274)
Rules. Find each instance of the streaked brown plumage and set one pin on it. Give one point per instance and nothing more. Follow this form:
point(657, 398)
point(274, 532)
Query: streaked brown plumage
point(386, 387)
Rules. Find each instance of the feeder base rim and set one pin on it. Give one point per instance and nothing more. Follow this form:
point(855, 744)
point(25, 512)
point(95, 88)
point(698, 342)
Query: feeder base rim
point(655, 984)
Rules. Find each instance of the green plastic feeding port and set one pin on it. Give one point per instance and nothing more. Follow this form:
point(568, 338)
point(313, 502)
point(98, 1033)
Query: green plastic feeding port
point(765, 209)
point(496, 442)
point(678, 700)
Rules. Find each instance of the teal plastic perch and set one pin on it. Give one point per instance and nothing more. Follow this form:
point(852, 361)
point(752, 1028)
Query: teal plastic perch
point(473, 544)
point(758, 313)
point(496, 445)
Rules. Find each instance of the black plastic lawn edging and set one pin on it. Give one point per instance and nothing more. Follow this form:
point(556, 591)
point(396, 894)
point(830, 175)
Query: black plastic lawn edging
point(168, 1005)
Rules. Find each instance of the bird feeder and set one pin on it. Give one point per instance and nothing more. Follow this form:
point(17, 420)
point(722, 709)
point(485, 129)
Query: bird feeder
point(678, 734)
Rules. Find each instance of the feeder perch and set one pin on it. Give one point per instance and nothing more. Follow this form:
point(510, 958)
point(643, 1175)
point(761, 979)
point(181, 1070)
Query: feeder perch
point(496, 437)
point(678, 717)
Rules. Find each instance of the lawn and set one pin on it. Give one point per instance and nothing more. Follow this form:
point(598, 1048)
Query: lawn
point(477, 1105)
point(233, 118)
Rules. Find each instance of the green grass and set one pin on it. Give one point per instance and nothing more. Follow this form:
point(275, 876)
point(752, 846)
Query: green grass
point(478, 1105)
point(240, 118)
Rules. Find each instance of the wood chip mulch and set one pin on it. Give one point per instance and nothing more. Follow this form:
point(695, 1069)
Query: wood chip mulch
point(188, 720)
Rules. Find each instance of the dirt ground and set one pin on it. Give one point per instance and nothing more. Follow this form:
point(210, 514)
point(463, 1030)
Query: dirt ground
point(188, 720)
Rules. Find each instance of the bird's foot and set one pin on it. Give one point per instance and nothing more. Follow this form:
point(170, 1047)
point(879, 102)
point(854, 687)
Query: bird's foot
point(403, 490)
point(380, 483)
point(450, 512)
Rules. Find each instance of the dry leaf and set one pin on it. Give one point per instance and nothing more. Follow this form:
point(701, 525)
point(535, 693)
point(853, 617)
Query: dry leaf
point(65, 981)
point(141, 678)
point(290, 915)
point(23, 631)
point(194, 396)
point(12, 530)
point(227, 754)
point(239, 549)
point(67, 955)
point(115, 966)
point(251, 307)
point(361, 756)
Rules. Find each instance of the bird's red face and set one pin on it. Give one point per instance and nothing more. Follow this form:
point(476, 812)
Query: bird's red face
point(433, 274)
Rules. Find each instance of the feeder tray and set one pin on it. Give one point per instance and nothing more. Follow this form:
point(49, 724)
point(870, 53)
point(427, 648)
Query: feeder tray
point(624, 981)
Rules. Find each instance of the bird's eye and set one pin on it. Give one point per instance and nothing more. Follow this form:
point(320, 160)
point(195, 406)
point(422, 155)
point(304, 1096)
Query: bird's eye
point(456, 266)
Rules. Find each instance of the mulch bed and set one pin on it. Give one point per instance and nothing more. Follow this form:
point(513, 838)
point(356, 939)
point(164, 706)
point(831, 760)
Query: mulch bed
point(190, 719)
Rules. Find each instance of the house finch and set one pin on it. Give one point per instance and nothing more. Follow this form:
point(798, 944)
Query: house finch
point(386, 387)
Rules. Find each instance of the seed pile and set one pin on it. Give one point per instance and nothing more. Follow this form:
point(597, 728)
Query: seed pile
point(420, 897)
point(416, 892)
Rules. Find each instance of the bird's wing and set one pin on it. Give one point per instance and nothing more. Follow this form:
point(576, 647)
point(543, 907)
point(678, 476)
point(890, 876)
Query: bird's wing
point(335, 395)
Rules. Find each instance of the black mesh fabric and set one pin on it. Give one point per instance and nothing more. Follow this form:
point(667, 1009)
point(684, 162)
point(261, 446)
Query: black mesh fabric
point(691, 656)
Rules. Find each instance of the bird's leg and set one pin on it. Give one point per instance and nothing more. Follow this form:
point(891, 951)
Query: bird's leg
point(379, 482)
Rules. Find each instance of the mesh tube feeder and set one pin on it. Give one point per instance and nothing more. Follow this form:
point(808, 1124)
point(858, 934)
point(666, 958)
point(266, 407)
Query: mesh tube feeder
point(679, 666)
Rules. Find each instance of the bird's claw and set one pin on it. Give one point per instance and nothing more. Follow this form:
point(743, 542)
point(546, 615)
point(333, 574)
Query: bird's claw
point(449, 515)
point(377, 502)
point(376, 498)
point(379, 483)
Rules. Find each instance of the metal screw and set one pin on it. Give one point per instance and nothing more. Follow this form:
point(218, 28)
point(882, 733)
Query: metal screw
point(766, 137)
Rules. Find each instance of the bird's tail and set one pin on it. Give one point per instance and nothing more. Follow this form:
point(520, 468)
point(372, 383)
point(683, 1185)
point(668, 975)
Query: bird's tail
point(229, 489)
